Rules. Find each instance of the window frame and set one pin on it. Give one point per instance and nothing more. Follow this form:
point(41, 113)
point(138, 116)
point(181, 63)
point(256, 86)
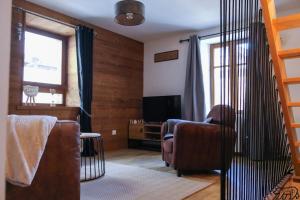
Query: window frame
point(232, 62)
point(44, 87)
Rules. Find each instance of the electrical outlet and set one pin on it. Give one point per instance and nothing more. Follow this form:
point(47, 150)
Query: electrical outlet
point(114, 132)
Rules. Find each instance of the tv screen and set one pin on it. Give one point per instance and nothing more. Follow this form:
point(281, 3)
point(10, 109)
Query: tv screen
point(161, 108)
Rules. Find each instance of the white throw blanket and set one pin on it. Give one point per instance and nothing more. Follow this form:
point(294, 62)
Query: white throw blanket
point(26, 141)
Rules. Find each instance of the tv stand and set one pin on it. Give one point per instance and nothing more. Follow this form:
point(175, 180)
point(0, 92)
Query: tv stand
point(144, 135)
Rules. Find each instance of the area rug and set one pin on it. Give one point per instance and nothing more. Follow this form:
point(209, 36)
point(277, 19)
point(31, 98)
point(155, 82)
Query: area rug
point(123, 182)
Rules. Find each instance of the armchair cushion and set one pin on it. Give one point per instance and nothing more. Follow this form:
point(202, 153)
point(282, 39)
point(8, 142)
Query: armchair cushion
point(172, 122)
point(168, 136)
point(208, 120)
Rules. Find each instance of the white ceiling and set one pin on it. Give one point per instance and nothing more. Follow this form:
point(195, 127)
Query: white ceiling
point(162, 16)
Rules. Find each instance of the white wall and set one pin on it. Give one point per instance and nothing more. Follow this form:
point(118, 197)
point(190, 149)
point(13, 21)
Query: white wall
point(5, 20)
point(290, 40)
point(168, 78)
point(165, 78)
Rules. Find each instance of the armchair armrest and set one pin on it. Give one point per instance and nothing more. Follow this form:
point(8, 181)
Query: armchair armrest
point(58, 174)
point(168, 127)
point(163, 130)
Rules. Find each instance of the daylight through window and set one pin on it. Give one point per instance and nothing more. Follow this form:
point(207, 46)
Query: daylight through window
point(44, 65)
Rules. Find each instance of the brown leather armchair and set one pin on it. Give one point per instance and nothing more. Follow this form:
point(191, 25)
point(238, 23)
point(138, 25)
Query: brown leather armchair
point(190, 145)
point(58, 174)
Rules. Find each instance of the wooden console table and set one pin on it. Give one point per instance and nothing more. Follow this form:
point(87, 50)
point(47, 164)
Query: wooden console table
point(144, 136)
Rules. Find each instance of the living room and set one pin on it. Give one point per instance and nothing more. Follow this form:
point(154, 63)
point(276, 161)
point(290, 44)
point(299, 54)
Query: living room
point(147, 94)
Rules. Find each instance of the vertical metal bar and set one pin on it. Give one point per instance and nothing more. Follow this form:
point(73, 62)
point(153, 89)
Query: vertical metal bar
point(234, 88)
point(90, 155)
point(265, 157)
point(99, 153)
point(239, 180)
point(85, 178)
point(230, 88)
point(243, 140)
point(223, 22)
point(95, 154)
point(80, 152)
point(103, 157)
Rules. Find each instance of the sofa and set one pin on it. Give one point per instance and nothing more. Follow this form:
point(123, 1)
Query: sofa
point(58, 174)
point(189, 146)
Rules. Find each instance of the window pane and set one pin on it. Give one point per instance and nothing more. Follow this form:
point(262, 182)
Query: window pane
point(46, 98)
point(43, 59)
point(241, 86)
point(217, 85)
point(241, 53)
point(217, 57)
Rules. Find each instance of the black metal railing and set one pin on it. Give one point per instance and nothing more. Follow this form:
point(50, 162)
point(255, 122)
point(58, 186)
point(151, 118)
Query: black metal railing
point(248, 85)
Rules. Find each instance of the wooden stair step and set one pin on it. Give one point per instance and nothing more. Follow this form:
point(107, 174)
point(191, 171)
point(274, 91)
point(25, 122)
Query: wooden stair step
point(292, 80)
point(297, 144)
point(293, 104)
point(295, 125)
point(290, 53)
point(287, 22)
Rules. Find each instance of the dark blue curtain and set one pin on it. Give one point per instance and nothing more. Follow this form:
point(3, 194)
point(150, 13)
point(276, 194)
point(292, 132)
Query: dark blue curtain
point(84, 46)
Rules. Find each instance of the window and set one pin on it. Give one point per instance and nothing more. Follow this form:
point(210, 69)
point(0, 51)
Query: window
point(235, 72)
point(45, 56)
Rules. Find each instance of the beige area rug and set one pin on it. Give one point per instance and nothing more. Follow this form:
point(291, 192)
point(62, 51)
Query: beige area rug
point(123, 182)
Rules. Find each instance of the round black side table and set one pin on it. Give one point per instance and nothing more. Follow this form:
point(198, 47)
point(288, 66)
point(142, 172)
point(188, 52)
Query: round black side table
point(92, 166)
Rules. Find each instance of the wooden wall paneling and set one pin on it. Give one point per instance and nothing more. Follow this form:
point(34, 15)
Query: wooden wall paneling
point(16, 76)
point(72, 97)
point(117, 79)
point(166, 56)
point(47, 25)
point(16, 62)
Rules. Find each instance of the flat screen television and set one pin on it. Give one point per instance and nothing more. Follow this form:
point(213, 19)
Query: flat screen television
point(161, 108)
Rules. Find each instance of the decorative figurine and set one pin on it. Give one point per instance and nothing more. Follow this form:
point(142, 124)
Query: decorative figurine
point(30, 92)
point(52, 91)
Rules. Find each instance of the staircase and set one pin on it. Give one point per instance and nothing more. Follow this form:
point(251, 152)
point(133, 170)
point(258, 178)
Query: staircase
point(274, 25)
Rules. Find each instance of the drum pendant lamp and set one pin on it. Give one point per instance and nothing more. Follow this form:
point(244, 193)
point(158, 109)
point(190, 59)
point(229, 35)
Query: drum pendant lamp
point(129, 12)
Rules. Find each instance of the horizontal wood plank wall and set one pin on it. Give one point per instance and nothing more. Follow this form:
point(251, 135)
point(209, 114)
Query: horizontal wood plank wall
point(117, 78)
point(16, 61)
point(72, 97)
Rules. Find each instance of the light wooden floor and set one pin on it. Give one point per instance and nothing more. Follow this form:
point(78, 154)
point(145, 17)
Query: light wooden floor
point(152, 160)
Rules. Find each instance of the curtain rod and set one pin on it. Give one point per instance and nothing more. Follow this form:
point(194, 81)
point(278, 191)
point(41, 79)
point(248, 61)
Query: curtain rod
point(45, 17)
point(214, 34)
point(200, 37)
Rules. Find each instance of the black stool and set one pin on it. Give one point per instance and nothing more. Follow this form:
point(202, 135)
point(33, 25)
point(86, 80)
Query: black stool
point(92, 166)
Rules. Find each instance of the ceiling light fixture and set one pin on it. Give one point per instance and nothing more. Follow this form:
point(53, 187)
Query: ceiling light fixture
point(129, 13)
